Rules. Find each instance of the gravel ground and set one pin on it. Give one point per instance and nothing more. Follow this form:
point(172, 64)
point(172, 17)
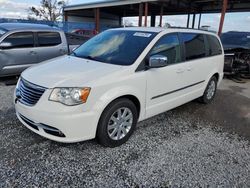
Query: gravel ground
point(191, 146)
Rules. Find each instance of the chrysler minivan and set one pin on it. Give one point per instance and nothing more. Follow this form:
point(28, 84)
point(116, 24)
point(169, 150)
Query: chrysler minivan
point(116, 79)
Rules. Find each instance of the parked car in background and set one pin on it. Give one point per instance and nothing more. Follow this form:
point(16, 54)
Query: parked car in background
point(23, 45)
point(237, 54)
point(85, 32)
point(117, 78)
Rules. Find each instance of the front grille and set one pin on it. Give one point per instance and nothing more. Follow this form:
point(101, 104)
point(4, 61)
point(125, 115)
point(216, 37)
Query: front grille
point(29, 93)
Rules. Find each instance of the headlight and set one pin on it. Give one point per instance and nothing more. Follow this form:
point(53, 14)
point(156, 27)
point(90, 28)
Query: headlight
point(70, 96)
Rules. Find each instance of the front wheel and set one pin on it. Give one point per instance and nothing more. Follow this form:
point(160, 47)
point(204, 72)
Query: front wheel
point(117, 123)
point(210, 91)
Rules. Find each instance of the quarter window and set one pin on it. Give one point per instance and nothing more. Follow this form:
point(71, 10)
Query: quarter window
point(213, 45)
point(49, 39)
point(168, 46)
point(20, 40)
point(194, 45)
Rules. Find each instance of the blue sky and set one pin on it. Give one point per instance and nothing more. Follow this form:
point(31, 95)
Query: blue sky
point(233, 21)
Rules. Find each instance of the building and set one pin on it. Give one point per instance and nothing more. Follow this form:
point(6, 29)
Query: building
point(111, 12)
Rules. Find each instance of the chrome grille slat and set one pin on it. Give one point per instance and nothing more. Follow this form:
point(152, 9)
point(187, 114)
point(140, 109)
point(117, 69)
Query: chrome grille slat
point(30, 89)
point(28, 101)
point(25, 97)
point(28, 93)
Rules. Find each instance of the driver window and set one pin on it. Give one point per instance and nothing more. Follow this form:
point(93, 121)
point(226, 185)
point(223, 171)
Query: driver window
point(168, 46)
point(20, 40)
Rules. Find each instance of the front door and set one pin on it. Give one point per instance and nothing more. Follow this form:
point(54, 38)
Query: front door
point(20, 54)
point(166, 85)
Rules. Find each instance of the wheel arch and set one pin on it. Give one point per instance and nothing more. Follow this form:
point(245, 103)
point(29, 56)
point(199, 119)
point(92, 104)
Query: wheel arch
point(131, 97)
point(217, 76)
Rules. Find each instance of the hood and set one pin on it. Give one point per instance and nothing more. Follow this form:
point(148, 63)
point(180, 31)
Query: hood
point(68, 71)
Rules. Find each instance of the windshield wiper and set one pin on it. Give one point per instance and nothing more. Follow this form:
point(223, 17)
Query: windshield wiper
point(74, 54)
point(89, 57)
point(85, 57)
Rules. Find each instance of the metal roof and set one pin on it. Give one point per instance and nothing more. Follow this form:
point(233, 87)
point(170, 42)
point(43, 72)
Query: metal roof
point(171, 7)
point(104, 3)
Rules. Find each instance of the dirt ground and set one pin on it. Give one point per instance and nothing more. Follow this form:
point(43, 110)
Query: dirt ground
point(194, 145)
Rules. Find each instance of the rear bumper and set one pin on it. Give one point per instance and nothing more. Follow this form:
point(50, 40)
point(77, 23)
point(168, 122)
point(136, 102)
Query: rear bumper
point(220, 78)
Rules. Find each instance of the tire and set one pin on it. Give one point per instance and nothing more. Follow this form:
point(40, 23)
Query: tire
point(210, 91)
point(115, 125)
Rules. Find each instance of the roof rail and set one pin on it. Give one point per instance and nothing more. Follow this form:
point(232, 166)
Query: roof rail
point(200, 29)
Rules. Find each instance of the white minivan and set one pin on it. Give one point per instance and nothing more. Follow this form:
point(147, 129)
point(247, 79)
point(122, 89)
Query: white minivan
point(116, 79)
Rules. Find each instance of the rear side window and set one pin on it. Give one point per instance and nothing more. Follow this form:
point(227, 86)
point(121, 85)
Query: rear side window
point(20, 40)
point(49, 39)
point(213, 45)
point(194, 45)
point(168, 46)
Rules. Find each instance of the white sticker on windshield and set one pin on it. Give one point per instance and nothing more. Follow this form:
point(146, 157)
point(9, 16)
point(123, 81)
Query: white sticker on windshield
point(248, 37)
point(139, 34)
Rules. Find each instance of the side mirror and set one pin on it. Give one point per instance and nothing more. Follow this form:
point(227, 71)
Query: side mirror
point(5, 45)
point(157, 61)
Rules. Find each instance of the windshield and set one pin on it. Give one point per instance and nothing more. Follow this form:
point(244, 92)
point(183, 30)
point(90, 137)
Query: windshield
point(232, 40)
point(117, 47)
point(2, 31)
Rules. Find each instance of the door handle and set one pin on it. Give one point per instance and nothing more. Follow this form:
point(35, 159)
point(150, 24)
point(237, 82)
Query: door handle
point(62, 51)
point(32, 52)
point(189, 68)
point(180, 70)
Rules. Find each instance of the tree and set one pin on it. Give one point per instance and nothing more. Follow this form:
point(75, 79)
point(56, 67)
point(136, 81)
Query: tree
point(49, 10)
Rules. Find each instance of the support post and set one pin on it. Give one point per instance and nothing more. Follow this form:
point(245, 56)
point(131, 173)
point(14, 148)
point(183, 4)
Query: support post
point(97, 20)
point(193, 23)
point(65, 16)
point(120, 21)
point(146, 14)
point(188, 20)
point(140, 14)
point(152, 21)
point(161, 14)
point(199, 24)
point(223, 12)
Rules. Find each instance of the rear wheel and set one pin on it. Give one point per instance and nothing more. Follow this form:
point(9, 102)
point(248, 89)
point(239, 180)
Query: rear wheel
point(210, 91)
point(117, 123)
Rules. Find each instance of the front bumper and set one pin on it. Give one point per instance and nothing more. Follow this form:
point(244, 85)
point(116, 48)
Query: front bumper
point(58, 122)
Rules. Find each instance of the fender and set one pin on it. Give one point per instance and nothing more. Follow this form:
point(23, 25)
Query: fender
point(117, 92)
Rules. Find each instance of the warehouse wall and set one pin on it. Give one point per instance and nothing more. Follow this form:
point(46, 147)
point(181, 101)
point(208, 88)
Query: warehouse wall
point(92, 20)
